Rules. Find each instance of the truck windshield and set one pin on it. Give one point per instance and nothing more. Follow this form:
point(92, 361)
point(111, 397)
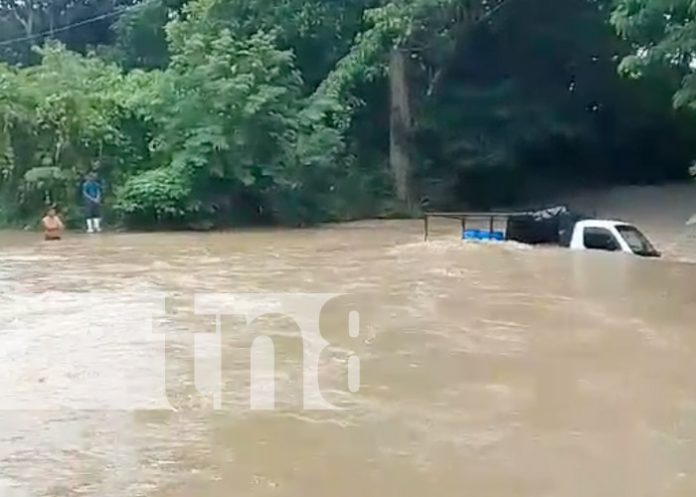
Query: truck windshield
point(637, 241)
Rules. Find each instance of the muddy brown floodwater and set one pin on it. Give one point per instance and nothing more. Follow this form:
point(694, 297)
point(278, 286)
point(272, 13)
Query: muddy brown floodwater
point(494, 371)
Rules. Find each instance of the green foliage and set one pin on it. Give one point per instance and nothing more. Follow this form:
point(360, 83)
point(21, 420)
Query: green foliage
point(212, 112)
point(59, 120)
point(227, 116)
point(428, 29)
point(661, 32)
point(155, 195)
point(534, 100)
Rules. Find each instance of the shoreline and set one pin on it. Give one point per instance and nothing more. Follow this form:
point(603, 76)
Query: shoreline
point(636, 203)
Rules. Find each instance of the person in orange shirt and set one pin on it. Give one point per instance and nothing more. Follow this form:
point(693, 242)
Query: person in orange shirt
point(52, 225)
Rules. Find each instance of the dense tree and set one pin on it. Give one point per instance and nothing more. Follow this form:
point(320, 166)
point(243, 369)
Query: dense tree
point(399, 32)
point(661, 33)
point(227, 116)
point(508, 94)
point(59, 120)
point(534, 100)
point(229, 111)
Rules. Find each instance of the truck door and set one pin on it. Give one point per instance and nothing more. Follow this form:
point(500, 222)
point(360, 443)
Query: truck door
point(600, 239)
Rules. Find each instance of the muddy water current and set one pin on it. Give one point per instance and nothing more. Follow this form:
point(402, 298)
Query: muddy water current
point(494, 371)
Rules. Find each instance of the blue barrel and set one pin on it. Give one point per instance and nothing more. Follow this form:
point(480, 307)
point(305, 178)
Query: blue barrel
point(483, 236)
point(471, 234)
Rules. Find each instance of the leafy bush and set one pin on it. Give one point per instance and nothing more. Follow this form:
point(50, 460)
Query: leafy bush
point(155, 195)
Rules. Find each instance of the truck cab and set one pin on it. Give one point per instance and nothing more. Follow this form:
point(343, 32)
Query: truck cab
point(612, 236)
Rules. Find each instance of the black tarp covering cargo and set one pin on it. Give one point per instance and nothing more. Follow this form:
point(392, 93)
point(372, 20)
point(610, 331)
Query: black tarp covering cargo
point(552, 226)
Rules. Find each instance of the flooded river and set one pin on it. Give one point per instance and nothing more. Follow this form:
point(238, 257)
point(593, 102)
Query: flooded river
point(493, 371)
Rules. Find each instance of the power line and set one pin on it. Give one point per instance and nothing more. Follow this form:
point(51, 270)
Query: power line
point(100, 17)
point(65, 28)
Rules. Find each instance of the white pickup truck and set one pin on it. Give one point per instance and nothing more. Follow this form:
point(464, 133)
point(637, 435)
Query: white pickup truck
point(614, 236)
point(553, 226)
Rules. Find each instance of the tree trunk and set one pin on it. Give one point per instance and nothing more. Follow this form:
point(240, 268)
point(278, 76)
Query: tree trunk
point(28, 22)
point(401, 125)
point(51, 22)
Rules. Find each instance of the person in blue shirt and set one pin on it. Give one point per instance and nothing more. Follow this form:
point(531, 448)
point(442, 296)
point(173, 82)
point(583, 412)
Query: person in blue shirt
point(92, 194)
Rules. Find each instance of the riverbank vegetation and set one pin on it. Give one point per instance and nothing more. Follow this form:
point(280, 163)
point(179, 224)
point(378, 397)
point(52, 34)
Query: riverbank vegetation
point(218, 112)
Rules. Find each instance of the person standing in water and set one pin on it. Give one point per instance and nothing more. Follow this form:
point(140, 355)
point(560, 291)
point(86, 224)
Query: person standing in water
point(92, 194)
point(52, 225)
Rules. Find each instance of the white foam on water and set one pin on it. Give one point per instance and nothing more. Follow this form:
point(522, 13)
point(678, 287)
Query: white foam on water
point(11, 488)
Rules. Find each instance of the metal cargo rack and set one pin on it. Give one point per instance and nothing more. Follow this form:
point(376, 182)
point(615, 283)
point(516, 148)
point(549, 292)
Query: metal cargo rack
point(464, 217)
